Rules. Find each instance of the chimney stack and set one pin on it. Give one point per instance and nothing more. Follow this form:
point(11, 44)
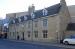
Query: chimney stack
point(63, 2)
point(31, 9)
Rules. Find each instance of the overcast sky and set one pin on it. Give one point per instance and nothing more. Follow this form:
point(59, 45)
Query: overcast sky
point(11, 6)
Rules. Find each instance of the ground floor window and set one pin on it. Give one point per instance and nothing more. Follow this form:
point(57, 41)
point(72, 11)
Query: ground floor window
point(18, 36)
point(36, 34)
point(28, 33)
point(23, 35)
point(45, 34)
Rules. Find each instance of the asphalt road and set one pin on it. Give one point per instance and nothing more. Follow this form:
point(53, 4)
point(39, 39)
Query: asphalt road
point(6, 44)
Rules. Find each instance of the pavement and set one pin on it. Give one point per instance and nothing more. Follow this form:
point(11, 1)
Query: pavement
point(19, 44)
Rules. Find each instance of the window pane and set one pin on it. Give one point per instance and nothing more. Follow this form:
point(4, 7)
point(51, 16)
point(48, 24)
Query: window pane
point(29, 24)
point(36, 34)
point(35, 24)
point(28, 33)
point(45, 22)
point(45, 33)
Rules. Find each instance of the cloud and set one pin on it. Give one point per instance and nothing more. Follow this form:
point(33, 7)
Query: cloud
point(11, 6)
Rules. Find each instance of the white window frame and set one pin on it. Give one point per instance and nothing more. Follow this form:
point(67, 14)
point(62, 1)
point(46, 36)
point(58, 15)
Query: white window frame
point(45, 12)
point(45, 23)
point(32, 15)
point(19, 19)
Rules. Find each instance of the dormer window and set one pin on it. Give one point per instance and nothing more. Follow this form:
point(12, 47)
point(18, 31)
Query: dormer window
point(25, 17)
point(19, 19)
point(13, 21)
point(32, 15)
point(45, 12)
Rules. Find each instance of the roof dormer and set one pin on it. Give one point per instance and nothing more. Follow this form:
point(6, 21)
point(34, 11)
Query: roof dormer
point(32, 15)
point(45, 12)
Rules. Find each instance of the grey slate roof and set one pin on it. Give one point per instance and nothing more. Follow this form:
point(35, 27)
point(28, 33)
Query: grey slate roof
point(4, 21)
point(51, 10)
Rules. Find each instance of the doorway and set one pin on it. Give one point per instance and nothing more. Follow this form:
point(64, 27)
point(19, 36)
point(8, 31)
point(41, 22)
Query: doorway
point(23, 36)
point(5, 35)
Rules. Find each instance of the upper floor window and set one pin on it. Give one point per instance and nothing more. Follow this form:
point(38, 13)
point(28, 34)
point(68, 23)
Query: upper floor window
point(17, 33)
point(45, 22)
point(36, 23)
point(45, 12)
point(13, 33)
point(32, 15)
point(29, 24)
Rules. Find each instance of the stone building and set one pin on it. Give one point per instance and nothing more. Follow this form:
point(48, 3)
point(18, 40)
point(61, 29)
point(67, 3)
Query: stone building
point(70, 30)
point(44, 25)
point(3, 29)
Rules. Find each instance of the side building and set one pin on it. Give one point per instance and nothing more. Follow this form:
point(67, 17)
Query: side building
point(4, 28)
point(45, 25)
